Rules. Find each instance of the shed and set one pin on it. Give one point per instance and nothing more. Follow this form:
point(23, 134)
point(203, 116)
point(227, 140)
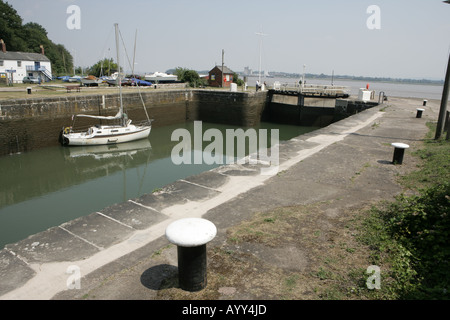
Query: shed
point(216, 75)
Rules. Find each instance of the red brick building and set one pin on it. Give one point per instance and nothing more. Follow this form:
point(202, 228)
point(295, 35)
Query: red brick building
point(216, 75)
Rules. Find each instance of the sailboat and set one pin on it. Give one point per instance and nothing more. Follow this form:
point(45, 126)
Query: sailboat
point(121, 131)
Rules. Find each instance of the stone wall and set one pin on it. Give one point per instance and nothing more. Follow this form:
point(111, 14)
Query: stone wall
point(27, 124)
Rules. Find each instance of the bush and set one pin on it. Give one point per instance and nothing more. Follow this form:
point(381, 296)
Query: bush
point(412, 236)
point(190, 76)
point(422, 224)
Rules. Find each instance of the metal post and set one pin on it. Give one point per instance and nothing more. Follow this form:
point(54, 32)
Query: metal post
point(444, 101)
point(303, 78)
point(399, 152)
point(447, 125)
point(223, 52)
point(419, 112)
point(192, 267)
point(191, 236)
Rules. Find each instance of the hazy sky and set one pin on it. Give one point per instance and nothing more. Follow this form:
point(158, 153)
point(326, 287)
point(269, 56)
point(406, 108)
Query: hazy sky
point(413, 39)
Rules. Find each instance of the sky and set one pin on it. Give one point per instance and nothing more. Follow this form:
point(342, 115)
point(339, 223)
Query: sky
point(375, 38)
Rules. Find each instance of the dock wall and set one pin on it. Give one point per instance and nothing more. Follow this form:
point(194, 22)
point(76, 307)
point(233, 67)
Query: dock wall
point(27, 124)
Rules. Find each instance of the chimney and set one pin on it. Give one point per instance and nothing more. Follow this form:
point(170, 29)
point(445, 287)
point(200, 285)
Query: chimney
point(3, 46)
point(42, 49)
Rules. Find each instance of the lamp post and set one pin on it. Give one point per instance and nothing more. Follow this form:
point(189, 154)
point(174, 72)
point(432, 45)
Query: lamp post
point(444, 99)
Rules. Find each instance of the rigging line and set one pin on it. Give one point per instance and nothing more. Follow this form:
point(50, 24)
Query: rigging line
point(134, 53)
point(107, 40)
point(125, 48)
point(132, 72)
point(104, 48)
point(139, 90)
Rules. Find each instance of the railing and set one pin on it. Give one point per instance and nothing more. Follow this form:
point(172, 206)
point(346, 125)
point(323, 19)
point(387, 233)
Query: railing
point(40, 69)
point(35, 68)
point(312, 88)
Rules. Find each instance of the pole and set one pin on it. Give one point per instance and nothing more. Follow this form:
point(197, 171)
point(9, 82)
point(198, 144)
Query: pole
point(444, 101)
point(260, 49)
point(116, 26)
point(260, 58)
point(223, 52)
point(303, 80)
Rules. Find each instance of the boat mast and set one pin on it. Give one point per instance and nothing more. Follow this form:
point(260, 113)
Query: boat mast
point(116, 25)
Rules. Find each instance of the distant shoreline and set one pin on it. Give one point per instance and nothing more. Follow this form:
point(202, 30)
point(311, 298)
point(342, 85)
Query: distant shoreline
point(310, 76)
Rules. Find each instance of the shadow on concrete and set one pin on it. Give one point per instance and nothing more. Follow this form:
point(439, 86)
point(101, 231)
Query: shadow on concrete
point(385, 162)
point(159, 277)
point(384, 137)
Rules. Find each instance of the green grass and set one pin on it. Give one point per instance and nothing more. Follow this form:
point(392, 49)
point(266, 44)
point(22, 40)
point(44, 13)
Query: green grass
point(409, 238)
point(435, 167)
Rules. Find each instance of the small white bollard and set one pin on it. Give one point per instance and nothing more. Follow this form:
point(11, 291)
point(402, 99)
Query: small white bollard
point(191, 236)
point(399, 151)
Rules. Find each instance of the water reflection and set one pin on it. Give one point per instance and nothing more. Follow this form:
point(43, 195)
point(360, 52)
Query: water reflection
point(47, 187)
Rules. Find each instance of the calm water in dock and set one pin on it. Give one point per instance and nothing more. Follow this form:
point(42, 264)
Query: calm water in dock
point(47, 187)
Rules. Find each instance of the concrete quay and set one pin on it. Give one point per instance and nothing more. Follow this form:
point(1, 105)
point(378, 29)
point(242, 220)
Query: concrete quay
point(122, 253)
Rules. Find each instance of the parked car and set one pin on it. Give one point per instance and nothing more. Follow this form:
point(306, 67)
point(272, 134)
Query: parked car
point(30, 80)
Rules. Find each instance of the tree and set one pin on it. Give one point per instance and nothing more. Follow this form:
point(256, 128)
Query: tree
point(29, 38)
point(11, 28)
point(190, 76)
point(103, 67)
point(236, 79)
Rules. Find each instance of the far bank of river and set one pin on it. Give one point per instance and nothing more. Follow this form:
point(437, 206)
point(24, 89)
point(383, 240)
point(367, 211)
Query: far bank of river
point(405, 90)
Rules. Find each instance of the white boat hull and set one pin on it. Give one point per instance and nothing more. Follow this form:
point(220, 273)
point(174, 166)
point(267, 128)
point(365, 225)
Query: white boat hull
point(105, 135)
point(88, 82)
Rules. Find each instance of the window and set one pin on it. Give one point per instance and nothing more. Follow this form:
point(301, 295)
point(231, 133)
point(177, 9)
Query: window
point(1, 63)
point(19, 64)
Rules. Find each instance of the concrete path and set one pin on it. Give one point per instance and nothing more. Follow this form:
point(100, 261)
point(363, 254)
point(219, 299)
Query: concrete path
point(122, 253)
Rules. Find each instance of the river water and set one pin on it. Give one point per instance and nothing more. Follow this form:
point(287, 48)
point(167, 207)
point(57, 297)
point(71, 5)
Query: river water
point(50, 186)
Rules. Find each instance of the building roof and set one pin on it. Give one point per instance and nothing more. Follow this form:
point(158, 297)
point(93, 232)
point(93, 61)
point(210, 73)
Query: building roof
point(22, 56)
point(226, 70)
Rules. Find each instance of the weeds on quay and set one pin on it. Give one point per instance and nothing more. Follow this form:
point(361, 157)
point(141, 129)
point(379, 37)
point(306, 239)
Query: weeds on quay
point(409, 237)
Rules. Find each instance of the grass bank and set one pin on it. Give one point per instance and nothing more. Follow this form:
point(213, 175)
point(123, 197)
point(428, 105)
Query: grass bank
point(410, 236)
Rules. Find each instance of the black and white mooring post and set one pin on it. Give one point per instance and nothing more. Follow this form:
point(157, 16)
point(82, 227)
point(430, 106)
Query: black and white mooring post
point(191, 236)
point(419, 112)
point(425, 103)
point(399, 152)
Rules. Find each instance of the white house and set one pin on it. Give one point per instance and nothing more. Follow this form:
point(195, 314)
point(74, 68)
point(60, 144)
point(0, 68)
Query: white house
point(14, 66)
